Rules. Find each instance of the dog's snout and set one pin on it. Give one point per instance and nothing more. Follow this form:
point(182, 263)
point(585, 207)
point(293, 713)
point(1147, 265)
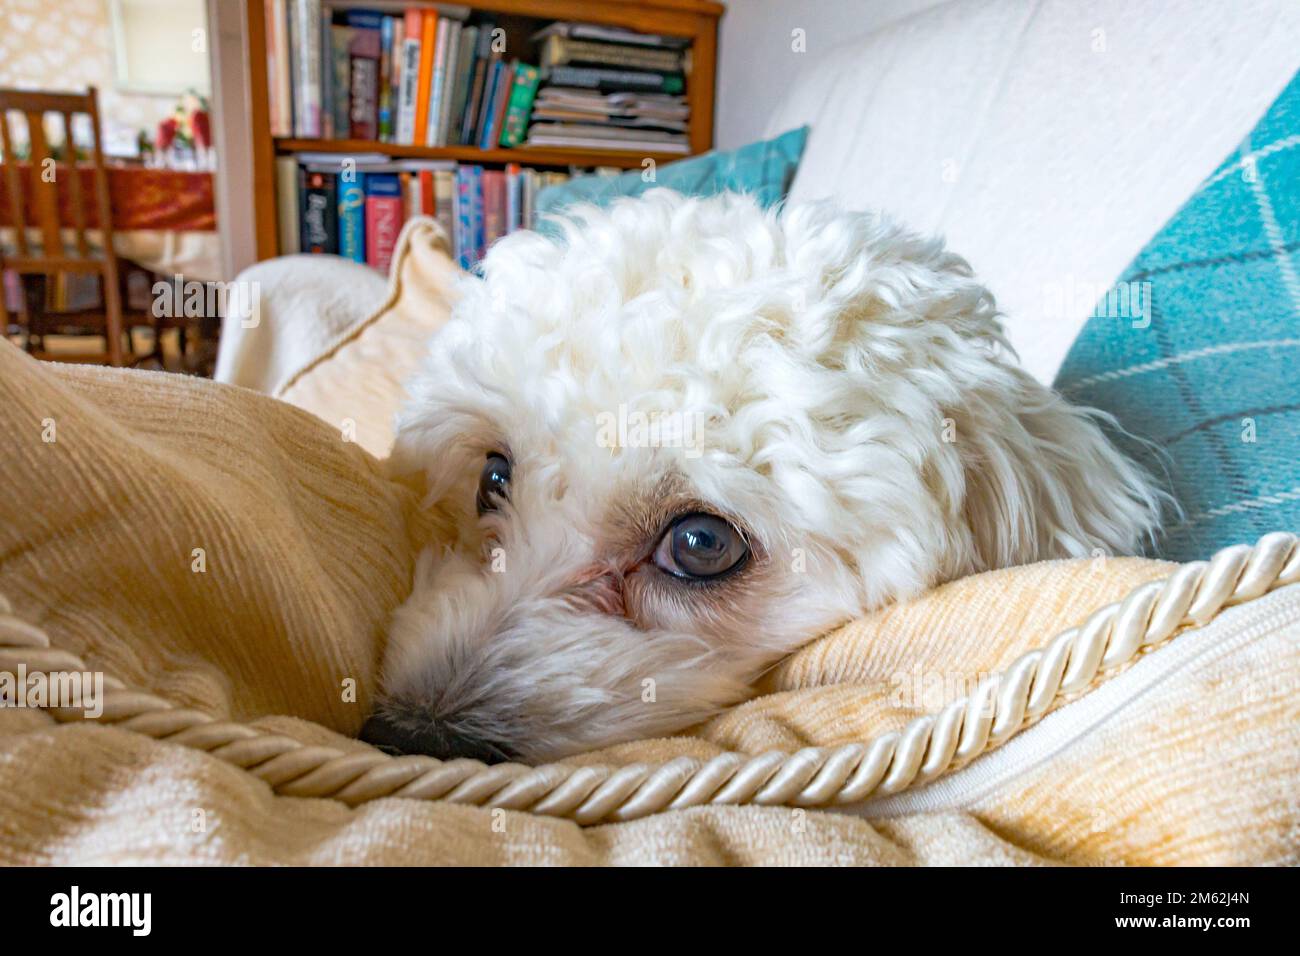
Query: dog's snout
point(401, 734)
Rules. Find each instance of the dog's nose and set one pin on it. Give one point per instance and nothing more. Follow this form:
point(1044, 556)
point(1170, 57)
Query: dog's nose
point(400, 734)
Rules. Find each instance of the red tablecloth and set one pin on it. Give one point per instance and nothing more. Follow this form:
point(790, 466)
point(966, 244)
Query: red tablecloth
point(167, 200)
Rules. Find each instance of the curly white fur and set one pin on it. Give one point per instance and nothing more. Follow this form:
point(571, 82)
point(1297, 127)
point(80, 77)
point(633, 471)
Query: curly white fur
point(862, 422)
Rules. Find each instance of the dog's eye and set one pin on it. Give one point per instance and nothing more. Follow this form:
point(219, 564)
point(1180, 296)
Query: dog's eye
point(700, 546)
point(493, 483)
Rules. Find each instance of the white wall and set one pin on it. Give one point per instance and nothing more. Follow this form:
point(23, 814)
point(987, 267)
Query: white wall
point(757, 62)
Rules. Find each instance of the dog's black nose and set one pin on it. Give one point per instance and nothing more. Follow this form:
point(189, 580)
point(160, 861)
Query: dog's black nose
point(401, 734)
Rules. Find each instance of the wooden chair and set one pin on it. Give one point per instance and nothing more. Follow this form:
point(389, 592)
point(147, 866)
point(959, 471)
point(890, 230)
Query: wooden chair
point(53, 259)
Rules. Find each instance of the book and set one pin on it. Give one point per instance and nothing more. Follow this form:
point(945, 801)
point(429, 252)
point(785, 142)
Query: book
point(352, 216)
point(288, 218)
point(444, 200)
point(463, 234)
point(385, 80)
point(395, 75)
point(494, 115)
point(519, 106)
point(559, 136)
point(364, 90)
point(448, 82)
point(427, 205)
point(477, 243)
point(326, 75)
point(318, 211)
point(305, 53)
point(341, 87)
point(442, 40)
point(465, 61)
point(383, 218)
point(410, 77)
point(428, 40)
point(610, 81)
point(278, 83)
point(565, 51)
point(593, 31)
point(484, 56)
point(494, 206)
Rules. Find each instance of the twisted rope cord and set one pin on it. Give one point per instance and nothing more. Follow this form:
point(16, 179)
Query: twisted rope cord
point(928, 746)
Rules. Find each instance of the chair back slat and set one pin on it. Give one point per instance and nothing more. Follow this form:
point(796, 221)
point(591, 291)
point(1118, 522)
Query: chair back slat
point(75, 190)
point(43, 182)
point(13, 183)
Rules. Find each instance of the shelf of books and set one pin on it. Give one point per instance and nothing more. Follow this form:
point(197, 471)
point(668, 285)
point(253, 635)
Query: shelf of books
point(366, 114)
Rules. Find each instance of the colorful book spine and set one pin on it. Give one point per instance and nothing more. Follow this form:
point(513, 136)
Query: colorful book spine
point(444, 201)
point(410, 78)
point(616, 81)
point(483, 58)
point(448, 82)
point(385, 123)
point(306, 56)
point(428, 198)
point(497, 120)
point(491, 94)
point(494, 206)
point(366, 44)
point(479, 238)
point(323, 27)
point(565, 51)
point(287, 205)
point(441, 40)
point(428, 43)
point(461, 88)
point(341, 65)
point(465, 254)
point(520, 105)
point(279, 86)
point(514, 196)
point(395, 79)
point(383, 218)
point(352, 216)
point(318, 212)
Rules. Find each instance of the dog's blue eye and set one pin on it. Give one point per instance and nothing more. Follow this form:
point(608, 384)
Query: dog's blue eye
point(700, 546)
point(493, 483)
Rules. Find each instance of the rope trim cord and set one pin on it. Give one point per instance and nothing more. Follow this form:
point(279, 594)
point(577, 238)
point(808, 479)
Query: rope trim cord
point(927, 747)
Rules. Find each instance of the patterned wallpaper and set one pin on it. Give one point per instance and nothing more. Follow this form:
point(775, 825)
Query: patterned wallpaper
point(67, 45)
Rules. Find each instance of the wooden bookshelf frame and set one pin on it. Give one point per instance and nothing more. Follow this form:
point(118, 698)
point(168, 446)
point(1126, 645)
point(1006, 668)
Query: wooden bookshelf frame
point(696, 20)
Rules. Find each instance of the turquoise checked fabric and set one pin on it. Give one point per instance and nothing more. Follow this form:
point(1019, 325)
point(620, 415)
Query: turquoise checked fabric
point(1197, 350)
point(764, 170)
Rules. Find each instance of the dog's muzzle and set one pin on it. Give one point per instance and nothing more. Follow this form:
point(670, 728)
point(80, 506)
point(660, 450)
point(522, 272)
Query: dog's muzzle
point(400, 734)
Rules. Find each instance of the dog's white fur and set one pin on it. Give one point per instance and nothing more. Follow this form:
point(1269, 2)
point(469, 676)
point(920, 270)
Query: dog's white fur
point(865, 427)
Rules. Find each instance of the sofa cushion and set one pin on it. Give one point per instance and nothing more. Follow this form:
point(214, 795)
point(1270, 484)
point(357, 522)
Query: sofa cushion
point(356, 382)
point(1047, 141)
point(763, 170)
point(1196, 349)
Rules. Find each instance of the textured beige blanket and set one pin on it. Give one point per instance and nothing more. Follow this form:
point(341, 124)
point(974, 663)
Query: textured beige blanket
point(236, 555)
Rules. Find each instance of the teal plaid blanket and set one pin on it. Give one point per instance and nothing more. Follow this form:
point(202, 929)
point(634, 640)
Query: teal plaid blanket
point(1197, 349)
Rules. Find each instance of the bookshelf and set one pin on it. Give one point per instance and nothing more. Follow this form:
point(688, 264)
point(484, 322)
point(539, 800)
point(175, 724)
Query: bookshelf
point(695, 20)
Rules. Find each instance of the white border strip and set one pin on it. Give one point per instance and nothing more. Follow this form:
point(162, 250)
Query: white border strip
point(1231, 630)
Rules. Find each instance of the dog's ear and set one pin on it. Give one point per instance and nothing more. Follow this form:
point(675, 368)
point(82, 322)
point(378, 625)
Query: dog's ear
point(1043, 481)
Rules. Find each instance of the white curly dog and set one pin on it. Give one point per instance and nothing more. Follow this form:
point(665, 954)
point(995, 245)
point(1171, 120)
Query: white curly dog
point(689, 437)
